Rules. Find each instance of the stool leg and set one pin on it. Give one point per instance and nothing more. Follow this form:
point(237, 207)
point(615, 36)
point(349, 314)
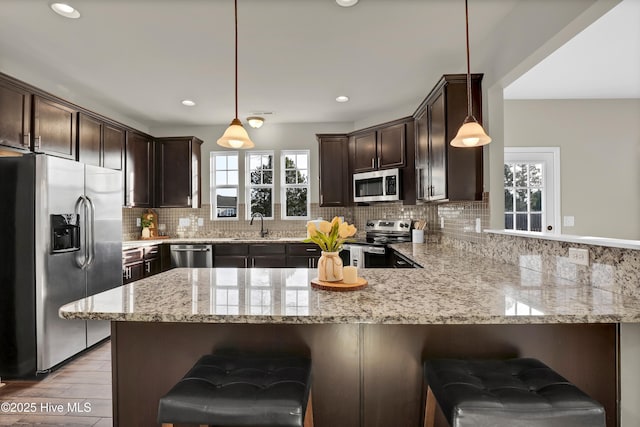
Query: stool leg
point(308, 416)
point(430, 409)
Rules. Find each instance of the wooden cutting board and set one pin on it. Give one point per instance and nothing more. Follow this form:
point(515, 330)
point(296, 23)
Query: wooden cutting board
point(339, 286)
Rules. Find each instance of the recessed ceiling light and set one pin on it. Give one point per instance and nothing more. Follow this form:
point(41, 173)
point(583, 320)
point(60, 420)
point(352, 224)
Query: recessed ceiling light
point(65, 10)
point(188, 102)
point(342, 98)
point(346, 3)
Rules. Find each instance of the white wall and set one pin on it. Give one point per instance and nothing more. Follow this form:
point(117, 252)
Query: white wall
point(599, 144)
point(271, 136)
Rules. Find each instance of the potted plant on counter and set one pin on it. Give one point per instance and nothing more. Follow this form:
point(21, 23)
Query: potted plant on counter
point(330, 236)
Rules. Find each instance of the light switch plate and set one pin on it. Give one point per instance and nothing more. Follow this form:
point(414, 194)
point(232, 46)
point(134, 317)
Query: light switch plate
point(138, 222)
point(200, 222)
point(568, 221)
point(184, 222)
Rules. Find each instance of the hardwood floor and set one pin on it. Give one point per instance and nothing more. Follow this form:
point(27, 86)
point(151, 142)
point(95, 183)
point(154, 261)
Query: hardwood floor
point(77, 394)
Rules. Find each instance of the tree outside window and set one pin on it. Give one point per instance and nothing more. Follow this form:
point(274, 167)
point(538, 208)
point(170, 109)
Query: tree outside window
point(295, 184)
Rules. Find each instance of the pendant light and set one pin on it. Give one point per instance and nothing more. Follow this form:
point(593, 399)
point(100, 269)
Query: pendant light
point(236, 136)
point(471, 134)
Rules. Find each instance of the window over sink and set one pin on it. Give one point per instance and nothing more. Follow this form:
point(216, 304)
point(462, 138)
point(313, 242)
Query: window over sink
point(224, 185)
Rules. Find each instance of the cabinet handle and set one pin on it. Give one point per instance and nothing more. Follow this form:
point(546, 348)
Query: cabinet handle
point(322, 199)
point(189, 200)
point(246, 263)
point(253, 262)
point(312, 250)
point(147, 266)
point(373, 163)
point(26, 140)
point(378, 164)
point(37, 142)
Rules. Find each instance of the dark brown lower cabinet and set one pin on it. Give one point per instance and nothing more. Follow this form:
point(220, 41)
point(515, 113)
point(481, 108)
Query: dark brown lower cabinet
point(138, 263)
point(303, 255)
point(255, 255)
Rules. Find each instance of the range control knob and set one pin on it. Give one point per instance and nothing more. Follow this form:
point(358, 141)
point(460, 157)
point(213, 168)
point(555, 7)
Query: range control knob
point(369, 224)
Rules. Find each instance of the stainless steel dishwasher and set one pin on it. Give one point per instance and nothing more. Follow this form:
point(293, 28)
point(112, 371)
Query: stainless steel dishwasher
point(194, 256)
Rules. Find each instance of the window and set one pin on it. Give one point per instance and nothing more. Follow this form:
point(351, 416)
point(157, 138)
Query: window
point(295, 184)
point(259, 183)
point(531, 189)
point(224, 185)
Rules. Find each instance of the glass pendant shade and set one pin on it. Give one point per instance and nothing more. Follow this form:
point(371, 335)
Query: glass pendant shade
point(470, 134)
point(235, 136)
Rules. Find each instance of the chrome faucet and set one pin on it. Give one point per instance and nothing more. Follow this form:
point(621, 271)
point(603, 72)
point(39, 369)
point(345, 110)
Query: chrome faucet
point(263, 232)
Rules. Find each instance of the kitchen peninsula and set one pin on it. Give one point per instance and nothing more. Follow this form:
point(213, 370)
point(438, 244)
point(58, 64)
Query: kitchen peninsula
point(366, 346)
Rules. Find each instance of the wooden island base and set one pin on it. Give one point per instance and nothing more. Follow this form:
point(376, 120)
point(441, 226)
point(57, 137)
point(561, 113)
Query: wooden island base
point(364, 375)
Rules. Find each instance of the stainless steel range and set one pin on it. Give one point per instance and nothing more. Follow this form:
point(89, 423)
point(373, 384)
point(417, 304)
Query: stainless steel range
point(372, 251)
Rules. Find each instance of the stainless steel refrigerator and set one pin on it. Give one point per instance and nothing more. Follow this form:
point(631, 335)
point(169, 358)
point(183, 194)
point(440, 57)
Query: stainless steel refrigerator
point(60, 240)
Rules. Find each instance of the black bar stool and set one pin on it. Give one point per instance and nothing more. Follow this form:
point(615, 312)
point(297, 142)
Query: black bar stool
point(241, 390)
point(506, 393)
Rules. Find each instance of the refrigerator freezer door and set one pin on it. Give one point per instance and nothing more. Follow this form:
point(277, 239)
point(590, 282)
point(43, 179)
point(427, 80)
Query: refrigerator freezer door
point(59, 185)
point(103, 189)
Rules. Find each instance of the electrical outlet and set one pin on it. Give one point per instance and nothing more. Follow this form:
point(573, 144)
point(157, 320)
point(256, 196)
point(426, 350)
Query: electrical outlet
point(138, 222)
point(200, 222)
point(579, 256)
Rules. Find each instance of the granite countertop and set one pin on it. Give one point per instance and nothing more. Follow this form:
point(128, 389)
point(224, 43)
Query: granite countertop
point(454, 287)
point(128, 244)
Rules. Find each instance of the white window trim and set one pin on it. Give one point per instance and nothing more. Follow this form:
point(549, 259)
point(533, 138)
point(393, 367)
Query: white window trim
point(212, 186)
point(555, 152)
point(284, 185)
point(249, 186)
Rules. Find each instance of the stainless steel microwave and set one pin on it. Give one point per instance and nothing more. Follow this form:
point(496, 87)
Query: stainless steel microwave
point(377, 186)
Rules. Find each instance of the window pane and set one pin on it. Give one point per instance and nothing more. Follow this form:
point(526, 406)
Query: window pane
point(290, 177)
point(536, 200)
point(254, 162)
point(255, 177)
point(535, 175)
point(221, 162)
point(301, 161)
point(536, 222)
point(508, 199)
point(521, 200)
point(267, 177)
point(289, 162)
point(232, 177)
point(521, 175)
point(508, 221)
point(266, 162)
point(232, 162)
point(221, 178)
point(296, 201)
point(261, 201)
point(226, 202)
point(303, 177)
point(522, 221)
point(508, 175)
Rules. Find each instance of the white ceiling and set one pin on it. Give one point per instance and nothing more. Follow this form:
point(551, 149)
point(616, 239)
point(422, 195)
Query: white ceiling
point(603, 61)
point(142, 57)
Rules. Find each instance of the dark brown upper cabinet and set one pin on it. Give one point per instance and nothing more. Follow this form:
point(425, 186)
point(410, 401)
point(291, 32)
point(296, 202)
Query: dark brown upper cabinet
point(113, 141)
point(100, 143)
point(54, 127)
point(335, 179)
point(178, 179)
point(138, 170)
point(381, 147)
point(15, 114)
point(444, 172)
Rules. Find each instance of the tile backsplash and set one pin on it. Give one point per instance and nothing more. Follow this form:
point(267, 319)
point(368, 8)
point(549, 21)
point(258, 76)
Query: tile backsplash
point(459, 220)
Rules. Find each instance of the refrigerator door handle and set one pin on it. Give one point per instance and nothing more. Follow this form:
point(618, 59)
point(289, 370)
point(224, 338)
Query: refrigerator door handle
point(81, 256)
point(91, 247)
